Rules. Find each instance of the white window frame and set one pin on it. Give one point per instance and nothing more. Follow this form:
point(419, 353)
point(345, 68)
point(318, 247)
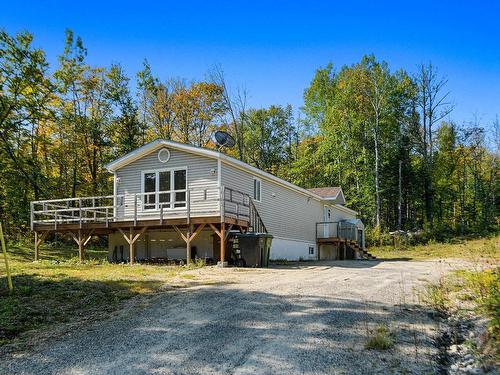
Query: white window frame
point(255, 179)
point(172, 191)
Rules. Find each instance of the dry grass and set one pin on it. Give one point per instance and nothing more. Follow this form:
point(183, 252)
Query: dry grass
point(59, 289)
point(478, 250)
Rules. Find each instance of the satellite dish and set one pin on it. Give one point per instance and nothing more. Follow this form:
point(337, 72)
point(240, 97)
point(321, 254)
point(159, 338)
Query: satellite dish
point(224, 139)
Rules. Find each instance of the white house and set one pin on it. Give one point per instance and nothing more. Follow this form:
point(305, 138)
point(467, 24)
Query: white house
point(173, 201)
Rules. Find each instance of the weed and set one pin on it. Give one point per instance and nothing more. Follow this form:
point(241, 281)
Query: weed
point(380, 338)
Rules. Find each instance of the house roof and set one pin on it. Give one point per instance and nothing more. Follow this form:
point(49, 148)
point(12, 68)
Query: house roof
point(159, 143)
point(326, 192)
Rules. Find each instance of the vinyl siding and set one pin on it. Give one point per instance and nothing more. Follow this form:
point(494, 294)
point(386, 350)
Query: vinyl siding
point(199, 178)
point(286, 213)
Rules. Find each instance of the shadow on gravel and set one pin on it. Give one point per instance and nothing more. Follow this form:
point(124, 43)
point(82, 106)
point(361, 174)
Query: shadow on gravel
point(327, 264)
point(226, 330)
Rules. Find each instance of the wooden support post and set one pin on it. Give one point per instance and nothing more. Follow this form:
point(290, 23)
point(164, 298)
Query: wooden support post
point(82, 240)
point(80, 246)
point(131, 239)
point(189, 237)
point(188, 245)
point(39, 238)
point(37, 247)
point(222, 244)
point(131, 254)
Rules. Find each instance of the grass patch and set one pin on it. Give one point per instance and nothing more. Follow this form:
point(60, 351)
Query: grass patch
point(477, 290)
point(380, 338)
point(59, 289)
point(483, 250)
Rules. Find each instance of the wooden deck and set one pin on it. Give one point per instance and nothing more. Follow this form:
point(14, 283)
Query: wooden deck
point(221, 210)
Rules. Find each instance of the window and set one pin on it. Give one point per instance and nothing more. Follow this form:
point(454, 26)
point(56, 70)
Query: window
point(311, 250)
point(164, 188)
point(257, 189)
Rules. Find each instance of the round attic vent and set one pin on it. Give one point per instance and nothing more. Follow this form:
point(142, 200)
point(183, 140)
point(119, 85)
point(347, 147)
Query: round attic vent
point(163, 155)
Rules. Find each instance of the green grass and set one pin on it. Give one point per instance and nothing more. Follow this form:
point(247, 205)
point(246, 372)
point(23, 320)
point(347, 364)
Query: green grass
point(58, 289)
point(466, 290)
point(380, 338)
point(483, 250)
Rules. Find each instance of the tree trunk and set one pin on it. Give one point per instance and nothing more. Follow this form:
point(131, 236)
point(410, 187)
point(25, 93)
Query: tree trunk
point(377, 183)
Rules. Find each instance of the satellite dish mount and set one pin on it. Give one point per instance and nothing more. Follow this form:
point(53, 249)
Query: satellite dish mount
point(223, 139)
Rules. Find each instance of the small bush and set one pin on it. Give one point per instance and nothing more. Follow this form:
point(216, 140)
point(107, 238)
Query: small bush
point(381, 338)
point(437, 295)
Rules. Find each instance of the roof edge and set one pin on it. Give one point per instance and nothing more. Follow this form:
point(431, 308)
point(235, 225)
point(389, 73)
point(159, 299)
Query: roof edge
point(151, 146)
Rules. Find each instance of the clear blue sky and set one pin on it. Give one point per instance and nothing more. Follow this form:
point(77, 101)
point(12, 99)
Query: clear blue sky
point(274, 48)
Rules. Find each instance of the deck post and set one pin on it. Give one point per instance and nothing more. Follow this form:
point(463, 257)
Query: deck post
point(131, 245)
point(188, 250)
point(131, 238)
point(81, 254)
point(135, 209)
point(37, 247)
point(189, 237)
point(222, 244)
point(81, 240)
point(39, 238)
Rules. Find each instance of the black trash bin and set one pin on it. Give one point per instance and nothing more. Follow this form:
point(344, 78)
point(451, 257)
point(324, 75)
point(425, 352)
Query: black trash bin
point(253, 249)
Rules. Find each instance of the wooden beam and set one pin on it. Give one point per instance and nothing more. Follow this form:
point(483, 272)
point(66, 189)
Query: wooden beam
point(131, 245)
point(81, 249)
point(124, 235)
point(228, 232)
point(180, 233)
point(131, 239)
point(222, 244)
point(197, 231)
point(214, 228)
point(38, 241)
point(88, 237)
point(139, 234)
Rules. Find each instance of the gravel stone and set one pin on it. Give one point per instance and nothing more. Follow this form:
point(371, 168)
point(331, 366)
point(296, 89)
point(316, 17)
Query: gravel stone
point(312, 318)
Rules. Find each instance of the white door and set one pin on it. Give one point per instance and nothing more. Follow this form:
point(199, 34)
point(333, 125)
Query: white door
point(327, 218)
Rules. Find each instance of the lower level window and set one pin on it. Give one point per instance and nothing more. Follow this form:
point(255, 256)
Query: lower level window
point(164, 188)
point(311, 250)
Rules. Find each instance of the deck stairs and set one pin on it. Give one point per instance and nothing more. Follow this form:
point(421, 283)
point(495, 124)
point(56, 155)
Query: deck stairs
point(354, 245)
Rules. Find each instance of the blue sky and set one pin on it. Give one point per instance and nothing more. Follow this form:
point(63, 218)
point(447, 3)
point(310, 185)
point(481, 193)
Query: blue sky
point(273, 48)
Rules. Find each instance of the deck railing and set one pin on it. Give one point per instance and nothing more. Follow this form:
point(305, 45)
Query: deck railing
point(197, 202)
point(336, 229)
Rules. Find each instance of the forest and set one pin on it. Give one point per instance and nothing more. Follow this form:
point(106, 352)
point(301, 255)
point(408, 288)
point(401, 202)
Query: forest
point(385, 136)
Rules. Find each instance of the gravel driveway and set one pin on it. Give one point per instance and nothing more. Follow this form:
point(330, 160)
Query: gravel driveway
point(308, 319)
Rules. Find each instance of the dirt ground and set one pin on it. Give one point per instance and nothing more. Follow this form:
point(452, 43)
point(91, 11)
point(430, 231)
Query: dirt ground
point(313, 318)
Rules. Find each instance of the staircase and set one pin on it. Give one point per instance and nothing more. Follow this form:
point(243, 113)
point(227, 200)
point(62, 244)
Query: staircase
point(256, 225)
point(354, 245)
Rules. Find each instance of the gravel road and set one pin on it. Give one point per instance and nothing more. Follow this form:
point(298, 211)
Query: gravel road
point(309, 319)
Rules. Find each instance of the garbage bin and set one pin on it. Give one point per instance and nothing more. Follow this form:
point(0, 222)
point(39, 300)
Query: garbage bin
point(253, 248)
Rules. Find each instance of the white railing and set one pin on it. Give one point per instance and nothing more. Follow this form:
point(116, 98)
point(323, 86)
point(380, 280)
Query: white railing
point(197, 202)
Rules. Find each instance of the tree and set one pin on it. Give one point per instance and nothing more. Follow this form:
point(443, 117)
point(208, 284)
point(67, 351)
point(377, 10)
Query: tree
point(266, 135)
point(434, 106)
point(236, 106)
point(125, 132)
